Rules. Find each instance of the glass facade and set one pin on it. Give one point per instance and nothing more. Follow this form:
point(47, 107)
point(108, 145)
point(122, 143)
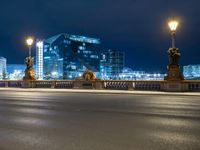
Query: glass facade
point(2, 67)
point(191, 71)
point(39, 60)
point(67, 56)
point(112, 64)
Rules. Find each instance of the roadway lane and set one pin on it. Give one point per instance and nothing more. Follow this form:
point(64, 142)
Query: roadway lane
point(83, 121)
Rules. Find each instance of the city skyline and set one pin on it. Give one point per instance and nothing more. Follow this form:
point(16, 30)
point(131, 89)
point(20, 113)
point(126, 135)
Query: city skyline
point(139, 28)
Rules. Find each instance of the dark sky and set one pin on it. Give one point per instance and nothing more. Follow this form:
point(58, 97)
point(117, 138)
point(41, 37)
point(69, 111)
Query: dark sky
point(138, 27)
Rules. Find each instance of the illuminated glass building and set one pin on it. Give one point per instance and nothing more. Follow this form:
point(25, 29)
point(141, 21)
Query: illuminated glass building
point(16, 71)
point(66, 56)
point(191, 71)
point(112, 64)
point(39, 60)
point(2, 66)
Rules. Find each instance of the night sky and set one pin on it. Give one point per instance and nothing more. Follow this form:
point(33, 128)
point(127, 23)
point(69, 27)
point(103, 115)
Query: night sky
point(138, 27)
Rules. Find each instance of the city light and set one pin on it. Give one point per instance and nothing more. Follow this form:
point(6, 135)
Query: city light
point(29, 41)
point(40, 44)
point(173, 25)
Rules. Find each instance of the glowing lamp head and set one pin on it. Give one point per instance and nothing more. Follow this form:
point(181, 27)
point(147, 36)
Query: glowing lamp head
point(173, 25)
point(29, 41)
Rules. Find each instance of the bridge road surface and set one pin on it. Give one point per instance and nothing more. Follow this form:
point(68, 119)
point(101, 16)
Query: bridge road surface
point(92, 121)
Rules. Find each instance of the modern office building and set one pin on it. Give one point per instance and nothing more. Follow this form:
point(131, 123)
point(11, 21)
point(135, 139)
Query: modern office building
point(129, 74)
point(66, 56)
point(191, 71)
point(39, 60)
point(111, 64)
point(2, 66)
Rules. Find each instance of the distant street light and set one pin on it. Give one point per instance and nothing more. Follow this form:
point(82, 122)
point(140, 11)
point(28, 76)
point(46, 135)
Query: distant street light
point(29, 42)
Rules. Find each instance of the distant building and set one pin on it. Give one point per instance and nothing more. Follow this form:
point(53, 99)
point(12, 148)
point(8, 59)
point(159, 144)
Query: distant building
point(12, 67)
point(2, 66)
point(66, 56)
point(111, 64)
point(39, 60)
point(191, 71)
point(15, 71)
point(129, 74)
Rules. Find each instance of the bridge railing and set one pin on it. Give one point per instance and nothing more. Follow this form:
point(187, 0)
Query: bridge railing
point(192, 85)
point(134, 85)
point(99, 84)
point(186, 85)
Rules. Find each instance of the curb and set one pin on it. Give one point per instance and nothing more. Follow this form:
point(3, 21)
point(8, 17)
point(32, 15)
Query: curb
point(101, 91)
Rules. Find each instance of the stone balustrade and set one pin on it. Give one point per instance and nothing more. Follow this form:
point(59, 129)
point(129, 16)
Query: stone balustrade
point(181, 86)
point(192, 85)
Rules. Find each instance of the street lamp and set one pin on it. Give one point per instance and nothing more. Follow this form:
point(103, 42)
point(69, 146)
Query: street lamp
point(29, 72)
point(173, 26)
point(29, 42)
point(174, 72)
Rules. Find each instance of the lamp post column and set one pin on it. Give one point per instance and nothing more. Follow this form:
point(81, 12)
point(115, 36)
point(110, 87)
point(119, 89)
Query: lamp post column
point(29, 51)
point(173, 39)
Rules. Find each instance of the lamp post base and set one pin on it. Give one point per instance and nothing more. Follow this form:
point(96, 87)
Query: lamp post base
point(29, 74)
point(174, 73)
point(174, 78)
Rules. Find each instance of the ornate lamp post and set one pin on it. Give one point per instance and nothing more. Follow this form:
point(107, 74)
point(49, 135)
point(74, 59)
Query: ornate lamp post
point(173, 69)
point(29, 72)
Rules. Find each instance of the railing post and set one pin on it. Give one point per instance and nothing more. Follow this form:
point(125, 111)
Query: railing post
point(174, 86)
point(53, 84)
point(98, 85)
point(33, 84)
point(26, 84)
point(130, 85)
point(185, 86)
point(77, 84)
point(6, 84)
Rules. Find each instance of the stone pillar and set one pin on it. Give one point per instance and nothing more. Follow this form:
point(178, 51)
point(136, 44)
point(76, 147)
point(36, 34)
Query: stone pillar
point(77, 84)
point(98, 85)
point(26, 84)
point(130, 85)
point(173, 86)
point(174, 79)
point(174, 73)
point(174, 76)
point(53, 84)
point(6, 83)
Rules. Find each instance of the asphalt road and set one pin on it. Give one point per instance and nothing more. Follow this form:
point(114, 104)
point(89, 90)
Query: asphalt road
point(89, 121)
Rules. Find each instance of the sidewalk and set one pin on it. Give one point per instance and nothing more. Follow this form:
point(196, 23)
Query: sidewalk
point(100, 91)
